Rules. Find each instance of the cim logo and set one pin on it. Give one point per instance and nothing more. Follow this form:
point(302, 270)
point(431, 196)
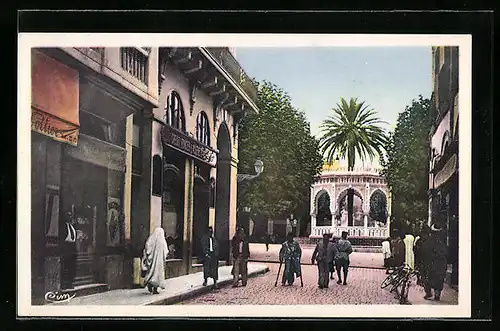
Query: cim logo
point(56, 297)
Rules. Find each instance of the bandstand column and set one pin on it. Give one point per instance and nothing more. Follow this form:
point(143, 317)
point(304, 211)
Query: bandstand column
point(366, 224)
point(313, 224)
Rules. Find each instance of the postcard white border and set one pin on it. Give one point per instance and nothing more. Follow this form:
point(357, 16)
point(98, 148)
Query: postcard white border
point(28, 40)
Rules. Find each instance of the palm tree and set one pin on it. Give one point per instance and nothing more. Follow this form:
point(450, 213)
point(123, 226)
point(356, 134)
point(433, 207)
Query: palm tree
point(352, 130)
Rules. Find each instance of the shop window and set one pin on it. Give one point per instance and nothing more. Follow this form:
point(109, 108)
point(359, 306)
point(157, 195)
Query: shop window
point(94, 126)
point(157, 175)
point(52, 215)
point(174, 112)
point(202, 129)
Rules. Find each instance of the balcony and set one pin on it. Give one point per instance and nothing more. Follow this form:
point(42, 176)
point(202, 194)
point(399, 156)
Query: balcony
point(227, 61)
point(215, 71)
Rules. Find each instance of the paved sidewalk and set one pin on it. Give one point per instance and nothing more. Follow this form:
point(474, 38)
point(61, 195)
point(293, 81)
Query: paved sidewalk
point(449, 296)
point(176, 289)
point(357, 260)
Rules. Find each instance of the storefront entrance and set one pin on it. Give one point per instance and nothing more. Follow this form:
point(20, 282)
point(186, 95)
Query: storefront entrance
point(85, 196)
point(200, 206)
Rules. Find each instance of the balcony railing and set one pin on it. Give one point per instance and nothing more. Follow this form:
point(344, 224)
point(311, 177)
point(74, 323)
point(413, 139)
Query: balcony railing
point(233, 68)
point(353, 231)
point(135, 61)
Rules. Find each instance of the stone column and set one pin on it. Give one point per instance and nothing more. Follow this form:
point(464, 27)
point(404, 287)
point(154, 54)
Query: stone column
point(313, 224)
point(366, 224)
point(270, 225)
point(188, 214)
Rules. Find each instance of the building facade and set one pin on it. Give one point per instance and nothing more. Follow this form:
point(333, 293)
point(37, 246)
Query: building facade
point(371, 203)
point(443, 174)
point(129, 139)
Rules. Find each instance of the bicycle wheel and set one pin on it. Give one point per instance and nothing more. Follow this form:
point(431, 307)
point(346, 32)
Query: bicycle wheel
point(399, 281)
point(390, 279)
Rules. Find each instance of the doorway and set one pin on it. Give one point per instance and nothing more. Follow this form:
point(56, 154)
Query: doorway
point(201, 201)
point(85, 195)
point(223, 186)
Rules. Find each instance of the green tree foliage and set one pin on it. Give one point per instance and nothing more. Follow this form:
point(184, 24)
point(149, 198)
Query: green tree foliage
point(280, 135)
point(353, 129)
point(407, 164)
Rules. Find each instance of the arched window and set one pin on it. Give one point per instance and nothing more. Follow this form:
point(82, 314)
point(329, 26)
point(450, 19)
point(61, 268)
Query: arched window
point(202, 129)
point(444, 143)
point(174, 112)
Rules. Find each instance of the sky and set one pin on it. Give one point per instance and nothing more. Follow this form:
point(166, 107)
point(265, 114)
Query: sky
point(387, 78)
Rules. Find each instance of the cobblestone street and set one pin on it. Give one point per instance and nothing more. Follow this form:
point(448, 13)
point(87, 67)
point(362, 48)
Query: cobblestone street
point(363, 288)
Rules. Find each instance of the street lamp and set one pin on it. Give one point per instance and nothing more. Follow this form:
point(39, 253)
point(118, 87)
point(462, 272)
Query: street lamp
point(259, 168)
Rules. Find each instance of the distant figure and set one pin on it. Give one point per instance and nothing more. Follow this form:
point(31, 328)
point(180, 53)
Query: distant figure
point(433, 253)
point(171, 248)
point(420, 241)
point(68, 258)
point(331, 264)
point(211, 257)
point(408, 240)
point(153, 260)
point(324, 255)
point(398, 251)
point(290, 254)
point(267, 239)
point(241, 253)
point(344, 249)
point(386, 251)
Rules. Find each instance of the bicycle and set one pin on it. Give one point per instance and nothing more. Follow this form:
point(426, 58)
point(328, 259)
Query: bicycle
point(393, 276)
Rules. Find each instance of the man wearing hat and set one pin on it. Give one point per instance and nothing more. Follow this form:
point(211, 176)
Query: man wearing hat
point(210, 249)
point(433, 253)
point(344, 249)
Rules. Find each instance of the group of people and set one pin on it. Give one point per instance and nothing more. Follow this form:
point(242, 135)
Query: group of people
point(425, 253)
point(158, 249)
point(328, 255)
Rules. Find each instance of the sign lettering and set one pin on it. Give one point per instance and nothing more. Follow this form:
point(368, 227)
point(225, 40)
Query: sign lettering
point(188, 145)
point(51, 126)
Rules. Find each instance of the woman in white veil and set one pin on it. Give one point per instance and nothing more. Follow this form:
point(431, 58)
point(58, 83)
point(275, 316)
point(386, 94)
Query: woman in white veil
point(153, 260)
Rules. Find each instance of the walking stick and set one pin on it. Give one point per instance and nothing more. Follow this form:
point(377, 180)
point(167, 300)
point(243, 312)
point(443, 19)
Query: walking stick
point(278, 275)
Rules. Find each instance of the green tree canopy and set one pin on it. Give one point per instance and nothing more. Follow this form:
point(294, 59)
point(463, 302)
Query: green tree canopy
point(407, 165)
point(280, 136)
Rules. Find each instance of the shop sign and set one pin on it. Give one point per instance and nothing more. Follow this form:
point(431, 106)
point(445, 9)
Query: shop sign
point(54, 98)
point(54, 127)
point(447, 171)
point(187, 145)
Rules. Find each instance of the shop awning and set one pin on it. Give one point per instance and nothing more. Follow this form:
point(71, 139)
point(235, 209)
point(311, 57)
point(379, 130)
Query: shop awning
point(180, 141)
point(54, 98)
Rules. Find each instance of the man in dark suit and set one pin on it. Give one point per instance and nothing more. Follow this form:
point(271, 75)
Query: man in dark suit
point(68, 247)
point(210, 257)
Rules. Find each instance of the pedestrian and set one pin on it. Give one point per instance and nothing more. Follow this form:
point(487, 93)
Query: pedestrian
point(290, 254)
point(433, 252)
point(153, 260)
point(344, 249)
point(323, 254)
point(331, 264)
point(386, 251)
point(241, 254)
point(420, 241)
point(267, 239)
point(69, 252)
point(398, 249)
point(409, 240)
point(210, 257)
point(171, 248)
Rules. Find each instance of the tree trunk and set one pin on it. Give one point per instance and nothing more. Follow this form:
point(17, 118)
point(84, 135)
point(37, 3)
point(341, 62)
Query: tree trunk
point(350, 201)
